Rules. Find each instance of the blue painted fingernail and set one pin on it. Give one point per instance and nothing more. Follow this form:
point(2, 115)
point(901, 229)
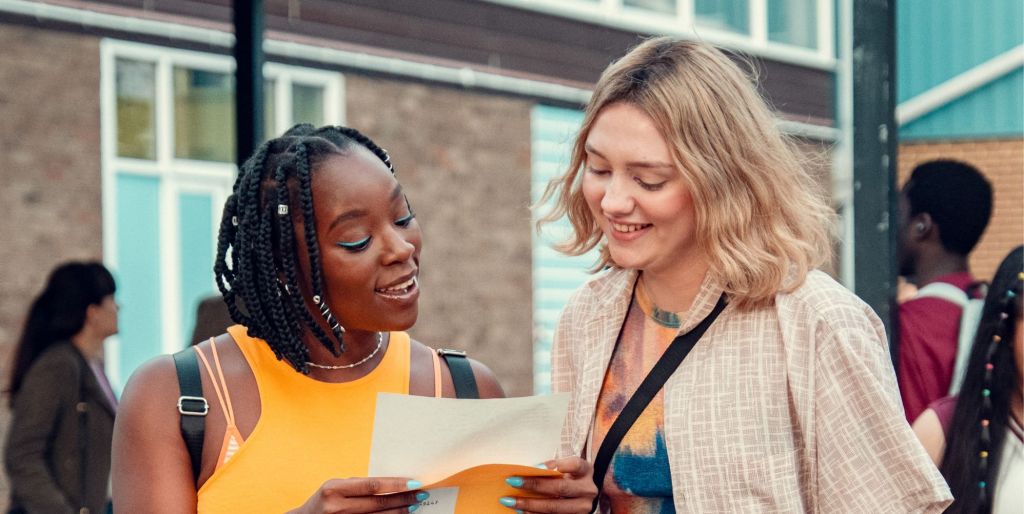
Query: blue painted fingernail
point(422, 496)
point(519, 511)
point(541, 466)
point(413, 484)
point(412, 508)
point(508, 502)
point(514, 481)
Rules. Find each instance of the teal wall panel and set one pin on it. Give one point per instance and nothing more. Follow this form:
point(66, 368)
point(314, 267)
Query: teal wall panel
point(992, 111)
point(138, 270)
point(555, 276)
point(195, 213)
point(940, 39)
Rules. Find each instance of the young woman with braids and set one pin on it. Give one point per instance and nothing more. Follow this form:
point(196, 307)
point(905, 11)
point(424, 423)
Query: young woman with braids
point(976, 438)
point(317, 260)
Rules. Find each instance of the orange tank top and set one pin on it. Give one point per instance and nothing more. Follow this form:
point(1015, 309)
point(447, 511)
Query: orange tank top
point(308, 431)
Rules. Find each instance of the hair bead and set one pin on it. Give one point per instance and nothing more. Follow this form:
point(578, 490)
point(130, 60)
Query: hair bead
point(972, 459)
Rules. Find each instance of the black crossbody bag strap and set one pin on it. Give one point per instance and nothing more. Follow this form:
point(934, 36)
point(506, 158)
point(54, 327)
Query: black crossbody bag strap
point(192, 406)
point(648, 389)
point(462, 373)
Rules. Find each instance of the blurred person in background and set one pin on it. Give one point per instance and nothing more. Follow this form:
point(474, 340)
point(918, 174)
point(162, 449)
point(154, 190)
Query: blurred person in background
point(976, 437)
point(57, 454)
point(944, 209)
point(212, 318)
point(708, 219)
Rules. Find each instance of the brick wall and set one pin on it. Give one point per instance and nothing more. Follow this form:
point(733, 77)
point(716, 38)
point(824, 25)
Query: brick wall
point(1002, 162)
point(464, 160)
point(50, 168)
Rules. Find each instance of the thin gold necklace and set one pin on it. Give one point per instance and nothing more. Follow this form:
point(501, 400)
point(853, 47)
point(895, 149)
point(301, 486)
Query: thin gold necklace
point(380, 344)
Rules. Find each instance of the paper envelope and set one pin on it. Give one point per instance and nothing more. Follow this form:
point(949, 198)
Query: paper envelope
point(463, 450)
point(479, 488)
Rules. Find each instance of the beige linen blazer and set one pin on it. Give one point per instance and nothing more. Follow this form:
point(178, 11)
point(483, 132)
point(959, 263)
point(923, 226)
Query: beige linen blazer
point(789, 408)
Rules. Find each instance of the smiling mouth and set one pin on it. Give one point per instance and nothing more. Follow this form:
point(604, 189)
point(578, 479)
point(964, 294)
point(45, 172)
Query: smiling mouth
point(399, 290)
point(627, 228)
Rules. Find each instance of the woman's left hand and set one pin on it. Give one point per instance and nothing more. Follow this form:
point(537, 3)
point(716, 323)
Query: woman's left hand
point(571, 493)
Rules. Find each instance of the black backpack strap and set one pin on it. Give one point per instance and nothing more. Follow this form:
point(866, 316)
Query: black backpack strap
point(192, 406)
point(462, 373)
point(655, 380)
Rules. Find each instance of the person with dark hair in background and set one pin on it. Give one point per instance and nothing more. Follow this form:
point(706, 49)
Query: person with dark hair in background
point(976, 438)
point(944, 209)
point(322, 280)
point(212, 318)
point(57, 454)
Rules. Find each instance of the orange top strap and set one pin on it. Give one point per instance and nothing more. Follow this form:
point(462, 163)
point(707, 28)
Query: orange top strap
point(232, 437)
point(220, 386)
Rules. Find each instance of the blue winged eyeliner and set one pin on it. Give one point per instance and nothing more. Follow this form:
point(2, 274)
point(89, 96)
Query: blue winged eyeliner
point(355, 245)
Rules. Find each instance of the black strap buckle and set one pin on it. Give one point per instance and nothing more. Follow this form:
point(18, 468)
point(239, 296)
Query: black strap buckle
point(195, 406)
point(448, 351)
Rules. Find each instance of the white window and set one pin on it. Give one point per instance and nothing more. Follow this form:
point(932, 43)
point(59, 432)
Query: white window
point(654, 6)
point(793, 22)
point(168, 161)
point(731, 15)
point(796, 31)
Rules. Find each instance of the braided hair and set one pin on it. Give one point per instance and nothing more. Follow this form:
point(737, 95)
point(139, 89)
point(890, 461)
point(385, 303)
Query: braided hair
point(257, 257)
point(975, 438)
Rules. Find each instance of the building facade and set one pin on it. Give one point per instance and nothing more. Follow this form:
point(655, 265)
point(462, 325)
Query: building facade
point(131, 126)
point(119, 140)
point(961, 96)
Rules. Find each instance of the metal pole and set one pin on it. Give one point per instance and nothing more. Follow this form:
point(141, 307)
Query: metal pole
point(874, 162)
point(248, 51)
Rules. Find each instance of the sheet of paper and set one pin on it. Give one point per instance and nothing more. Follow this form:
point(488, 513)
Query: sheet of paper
point(430, 439)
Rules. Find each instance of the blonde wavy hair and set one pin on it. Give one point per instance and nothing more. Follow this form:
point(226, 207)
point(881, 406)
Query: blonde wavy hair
point(761, 217)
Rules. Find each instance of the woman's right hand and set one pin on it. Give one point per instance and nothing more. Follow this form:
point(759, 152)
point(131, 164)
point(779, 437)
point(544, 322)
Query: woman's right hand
point(364, 495)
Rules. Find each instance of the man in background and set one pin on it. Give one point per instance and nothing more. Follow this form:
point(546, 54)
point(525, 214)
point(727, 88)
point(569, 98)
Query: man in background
point(944, 209)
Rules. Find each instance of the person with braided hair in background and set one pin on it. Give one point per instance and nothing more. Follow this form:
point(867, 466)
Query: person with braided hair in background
point(976, 437)
point(317, 261)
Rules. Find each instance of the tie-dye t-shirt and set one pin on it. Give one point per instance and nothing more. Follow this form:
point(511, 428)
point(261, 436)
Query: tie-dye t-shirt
point(638, 479)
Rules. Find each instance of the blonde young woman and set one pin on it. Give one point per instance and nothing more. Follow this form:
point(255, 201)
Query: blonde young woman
point(788, 402)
